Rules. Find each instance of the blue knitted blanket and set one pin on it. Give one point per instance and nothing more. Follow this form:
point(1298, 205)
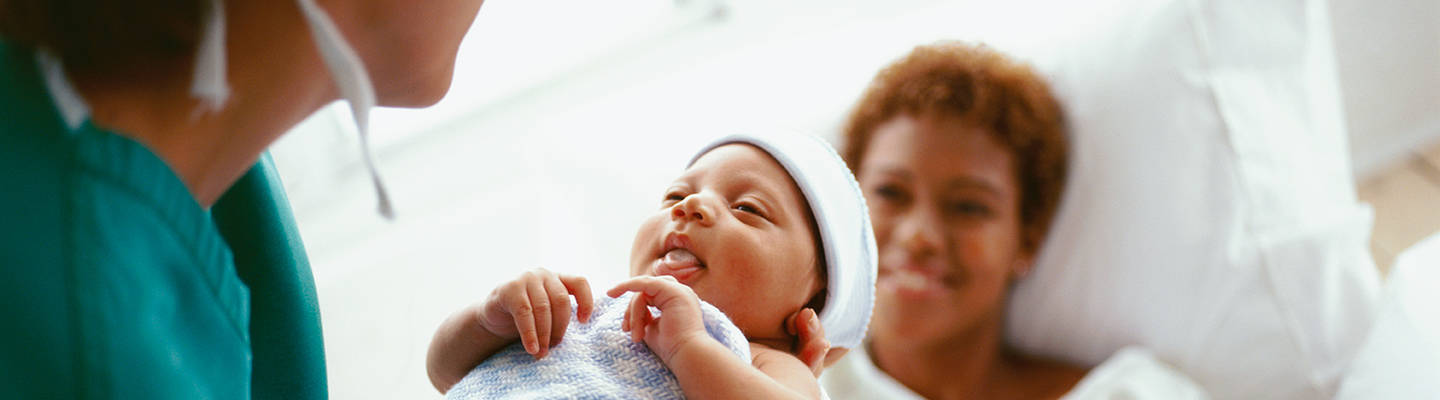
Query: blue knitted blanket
point(595, 360)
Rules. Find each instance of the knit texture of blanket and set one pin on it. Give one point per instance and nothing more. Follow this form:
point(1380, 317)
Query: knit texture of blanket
point(594, 360)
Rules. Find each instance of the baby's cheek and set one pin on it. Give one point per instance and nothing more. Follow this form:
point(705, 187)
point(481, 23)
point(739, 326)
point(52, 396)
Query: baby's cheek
point(645, 242)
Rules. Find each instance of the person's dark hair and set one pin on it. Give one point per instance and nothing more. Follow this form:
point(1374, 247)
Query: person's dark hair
point(986, 89)
point(98, 35)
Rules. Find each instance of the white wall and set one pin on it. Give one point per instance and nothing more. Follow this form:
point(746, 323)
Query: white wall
point(1389, 60)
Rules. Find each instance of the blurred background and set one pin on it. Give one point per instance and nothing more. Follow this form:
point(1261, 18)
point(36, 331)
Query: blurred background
point(567, 118)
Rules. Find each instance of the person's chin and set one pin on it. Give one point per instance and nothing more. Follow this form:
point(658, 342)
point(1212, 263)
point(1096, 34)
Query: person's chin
point(912, 324)
point(420, 90)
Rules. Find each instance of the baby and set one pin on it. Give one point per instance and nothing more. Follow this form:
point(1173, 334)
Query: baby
point(767, 229)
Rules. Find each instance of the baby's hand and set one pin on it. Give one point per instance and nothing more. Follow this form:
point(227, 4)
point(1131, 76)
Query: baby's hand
point(536, 308)
point(679, 322)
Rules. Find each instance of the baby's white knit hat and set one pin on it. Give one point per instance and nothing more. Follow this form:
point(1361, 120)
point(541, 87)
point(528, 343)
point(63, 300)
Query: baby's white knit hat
point(843, 223)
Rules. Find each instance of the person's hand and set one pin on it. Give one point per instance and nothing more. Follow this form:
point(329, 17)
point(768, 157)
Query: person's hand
point(811, 347)
point(679, 322)
point(536, 309)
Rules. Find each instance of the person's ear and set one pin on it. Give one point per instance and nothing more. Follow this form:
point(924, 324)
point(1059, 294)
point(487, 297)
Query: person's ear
point(1025, 259)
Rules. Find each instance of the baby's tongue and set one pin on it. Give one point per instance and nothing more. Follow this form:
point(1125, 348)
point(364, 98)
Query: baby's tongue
point(681, 258)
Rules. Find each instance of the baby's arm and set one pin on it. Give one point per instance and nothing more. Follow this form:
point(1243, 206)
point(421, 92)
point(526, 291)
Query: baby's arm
point(534, 308)
point(704, 367)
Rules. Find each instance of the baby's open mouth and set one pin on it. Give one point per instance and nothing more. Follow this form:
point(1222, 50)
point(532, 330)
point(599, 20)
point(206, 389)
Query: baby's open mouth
point(678, 261)
point(682, 258)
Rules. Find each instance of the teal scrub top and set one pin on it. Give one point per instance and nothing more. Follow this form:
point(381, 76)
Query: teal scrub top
point(117, 284)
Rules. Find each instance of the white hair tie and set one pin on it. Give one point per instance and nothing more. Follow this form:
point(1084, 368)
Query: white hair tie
point(350, 76)
point(209, 82)
point(346, 69)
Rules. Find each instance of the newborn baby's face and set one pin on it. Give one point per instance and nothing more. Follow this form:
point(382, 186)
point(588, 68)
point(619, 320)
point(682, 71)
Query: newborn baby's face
point(735, 228)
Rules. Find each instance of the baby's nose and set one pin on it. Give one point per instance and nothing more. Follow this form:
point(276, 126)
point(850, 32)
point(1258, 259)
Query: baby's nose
point(693, 208)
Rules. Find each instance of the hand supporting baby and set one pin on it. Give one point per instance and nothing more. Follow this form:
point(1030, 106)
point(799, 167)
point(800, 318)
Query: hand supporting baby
point(811, 347)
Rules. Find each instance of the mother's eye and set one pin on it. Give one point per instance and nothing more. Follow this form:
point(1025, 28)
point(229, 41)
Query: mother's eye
point(969, 208)
point(890, 192)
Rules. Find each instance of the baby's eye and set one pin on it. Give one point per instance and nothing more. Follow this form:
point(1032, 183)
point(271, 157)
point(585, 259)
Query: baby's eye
point(673, 196)
point(749, 209)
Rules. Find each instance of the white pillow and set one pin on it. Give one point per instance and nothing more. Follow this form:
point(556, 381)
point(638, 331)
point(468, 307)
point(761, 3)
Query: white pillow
point(1401, 357)
point(1209, 214)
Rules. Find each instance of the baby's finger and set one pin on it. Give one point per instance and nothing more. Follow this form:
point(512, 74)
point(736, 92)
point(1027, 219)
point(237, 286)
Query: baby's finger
point(659, 289)
point(584, 300)
point(524, 316)
point(639, 317)
point(625, 321)
point(642, 284)
point(559, 308)
point(540, 302)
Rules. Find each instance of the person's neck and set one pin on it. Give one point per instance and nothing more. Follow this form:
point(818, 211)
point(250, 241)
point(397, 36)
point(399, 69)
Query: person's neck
point(962, 366)
point(276, 79)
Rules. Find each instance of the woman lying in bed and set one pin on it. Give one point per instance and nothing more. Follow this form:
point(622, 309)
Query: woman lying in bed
point(961, 155)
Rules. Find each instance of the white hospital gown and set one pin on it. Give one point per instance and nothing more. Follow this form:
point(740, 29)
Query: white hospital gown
point(1132, 373)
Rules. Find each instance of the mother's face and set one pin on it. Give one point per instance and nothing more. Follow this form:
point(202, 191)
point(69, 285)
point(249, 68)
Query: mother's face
point(945, 204)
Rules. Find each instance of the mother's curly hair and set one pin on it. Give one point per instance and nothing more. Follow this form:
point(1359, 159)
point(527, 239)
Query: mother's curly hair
point(983, 88)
